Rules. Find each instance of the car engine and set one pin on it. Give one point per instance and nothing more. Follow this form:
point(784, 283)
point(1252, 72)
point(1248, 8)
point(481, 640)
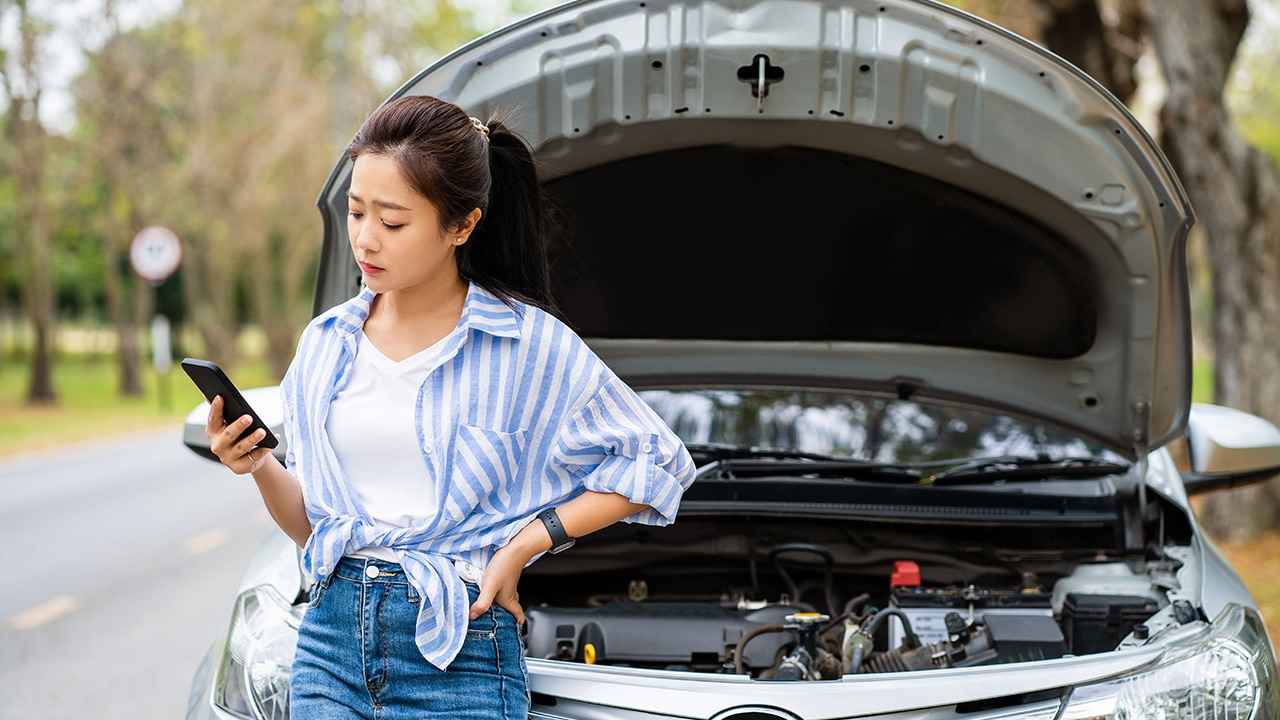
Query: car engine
point(808, 632)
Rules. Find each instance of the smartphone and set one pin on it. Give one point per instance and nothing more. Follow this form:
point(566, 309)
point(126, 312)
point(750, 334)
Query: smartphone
point(213, 382)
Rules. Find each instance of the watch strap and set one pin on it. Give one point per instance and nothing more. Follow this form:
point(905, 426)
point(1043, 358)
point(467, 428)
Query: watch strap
point(560, 539)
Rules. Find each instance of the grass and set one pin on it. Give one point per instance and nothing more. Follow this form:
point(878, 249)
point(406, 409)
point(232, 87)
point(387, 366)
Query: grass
point(90, 405)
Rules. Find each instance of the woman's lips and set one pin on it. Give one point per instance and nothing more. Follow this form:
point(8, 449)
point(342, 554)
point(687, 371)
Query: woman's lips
point(368, 269)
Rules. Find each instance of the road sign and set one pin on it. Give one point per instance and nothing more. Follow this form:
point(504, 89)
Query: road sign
point(155, 253)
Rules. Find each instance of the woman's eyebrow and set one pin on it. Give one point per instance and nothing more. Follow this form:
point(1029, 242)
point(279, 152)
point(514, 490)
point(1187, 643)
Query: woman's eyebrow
point(380, 203)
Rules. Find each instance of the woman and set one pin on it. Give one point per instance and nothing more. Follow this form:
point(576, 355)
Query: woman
point(444, 430)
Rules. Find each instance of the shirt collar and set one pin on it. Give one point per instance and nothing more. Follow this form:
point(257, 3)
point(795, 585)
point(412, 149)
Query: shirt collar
point(482, 311)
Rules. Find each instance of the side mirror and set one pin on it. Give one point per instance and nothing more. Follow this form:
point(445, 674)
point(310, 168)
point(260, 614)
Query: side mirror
point(264, 400)
point(1226, 448)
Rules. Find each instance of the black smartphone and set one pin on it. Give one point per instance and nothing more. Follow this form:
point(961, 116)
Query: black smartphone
point(213, 382)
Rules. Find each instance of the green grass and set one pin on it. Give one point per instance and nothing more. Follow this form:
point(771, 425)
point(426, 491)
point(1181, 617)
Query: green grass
point(90, 405)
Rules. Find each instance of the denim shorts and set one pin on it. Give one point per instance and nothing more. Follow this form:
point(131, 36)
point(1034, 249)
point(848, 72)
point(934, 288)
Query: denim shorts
point(357, 657)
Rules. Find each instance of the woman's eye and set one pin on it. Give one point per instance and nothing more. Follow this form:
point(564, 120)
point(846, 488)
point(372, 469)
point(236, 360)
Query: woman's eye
point(389, 226)
point(355, 214)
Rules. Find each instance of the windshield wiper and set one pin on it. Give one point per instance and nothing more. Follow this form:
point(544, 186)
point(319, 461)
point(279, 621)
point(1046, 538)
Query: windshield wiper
point(736, 460)
point(1016, 467)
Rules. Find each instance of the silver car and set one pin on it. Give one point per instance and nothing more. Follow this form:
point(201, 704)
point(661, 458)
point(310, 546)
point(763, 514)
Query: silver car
point(913, 291)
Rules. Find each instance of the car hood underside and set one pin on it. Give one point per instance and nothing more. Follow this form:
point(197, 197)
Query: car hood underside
point(890, 195)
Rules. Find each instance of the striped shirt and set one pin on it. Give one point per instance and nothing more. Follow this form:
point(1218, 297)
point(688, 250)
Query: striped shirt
point(516, 416)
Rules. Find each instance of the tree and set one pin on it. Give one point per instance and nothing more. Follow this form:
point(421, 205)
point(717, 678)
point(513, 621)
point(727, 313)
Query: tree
point(257, 145)
point(125, 153)
point(26, 159)
point(1235, 190)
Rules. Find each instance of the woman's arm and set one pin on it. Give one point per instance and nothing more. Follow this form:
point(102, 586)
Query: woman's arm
point(281, 492)
point(582, 515)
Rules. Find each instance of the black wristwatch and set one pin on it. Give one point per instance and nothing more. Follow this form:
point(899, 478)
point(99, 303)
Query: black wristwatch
point(560, 540)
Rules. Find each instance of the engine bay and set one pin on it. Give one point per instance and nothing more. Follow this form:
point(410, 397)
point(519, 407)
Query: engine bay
point(783, 600)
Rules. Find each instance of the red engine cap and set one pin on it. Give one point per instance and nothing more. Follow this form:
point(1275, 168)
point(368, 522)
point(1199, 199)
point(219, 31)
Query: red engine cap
point(905, 572)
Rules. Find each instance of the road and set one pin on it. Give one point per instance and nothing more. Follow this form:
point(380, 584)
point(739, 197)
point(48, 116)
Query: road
point(124, 557)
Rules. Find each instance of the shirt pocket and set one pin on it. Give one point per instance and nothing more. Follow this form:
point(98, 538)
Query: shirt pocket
point(486, 464)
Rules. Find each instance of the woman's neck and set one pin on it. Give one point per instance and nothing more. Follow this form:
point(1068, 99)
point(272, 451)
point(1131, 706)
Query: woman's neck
point(403, 323)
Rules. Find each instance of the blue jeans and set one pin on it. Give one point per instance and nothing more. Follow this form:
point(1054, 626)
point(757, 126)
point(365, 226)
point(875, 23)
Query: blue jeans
point(357, 657)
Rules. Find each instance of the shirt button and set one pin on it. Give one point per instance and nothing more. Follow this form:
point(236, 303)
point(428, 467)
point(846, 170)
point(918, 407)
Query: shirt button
point(371, 570)
point(647, 447)
point(428, 448)
point(324, 570)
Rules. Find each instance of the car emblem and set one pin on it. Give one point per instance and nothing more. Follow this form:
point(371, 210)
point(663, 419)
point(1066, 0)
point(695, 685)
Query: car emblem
point(754, 713)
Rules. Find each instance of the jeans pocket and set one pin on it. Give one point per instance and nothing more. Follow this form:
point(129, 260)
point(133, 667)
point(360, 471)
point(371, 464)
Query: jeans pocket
point(484, 626)
point(316, 593)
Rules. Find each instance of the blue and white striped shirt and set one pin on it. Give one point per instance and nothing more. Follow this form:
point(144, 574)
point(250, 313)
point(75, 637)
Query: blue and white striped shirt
point(518, 415)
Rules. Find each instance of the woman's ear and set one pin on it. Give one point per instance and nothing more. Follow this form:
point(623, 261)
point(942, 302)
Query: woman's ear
point(465, 227)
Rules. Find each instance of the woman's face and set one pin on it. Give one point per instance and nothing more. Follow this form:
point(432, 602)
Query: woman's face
point(395, 233)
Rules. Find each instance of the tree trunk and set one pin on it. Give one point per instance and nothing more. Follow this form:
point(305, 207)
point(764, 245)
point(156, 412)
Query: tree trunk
point(39, 294)
point(1074, 29)
point(125, 320)
point(1236, 194)
point(31, 218)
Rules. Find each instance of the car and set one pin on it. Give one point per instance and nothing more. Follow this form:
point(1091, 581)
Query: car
point(912, 290)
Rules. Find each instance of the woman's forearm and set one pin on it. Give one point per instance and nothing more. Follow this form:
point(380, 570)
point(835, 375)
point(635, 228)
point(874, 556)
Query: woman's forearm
point(282, 494)
point(592, 511)
point(580, 516)
point(583, 515)
point(280, 491)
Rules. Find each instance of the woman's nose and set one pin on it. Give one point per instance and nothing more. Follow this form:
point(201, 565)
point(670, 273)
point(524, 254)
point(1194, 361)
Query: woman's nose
point(365, 239)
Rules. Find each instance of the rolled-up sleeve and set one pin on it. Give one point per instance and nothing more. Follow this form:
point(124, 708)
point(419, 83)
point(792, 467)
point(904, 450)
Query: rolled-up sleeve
point(616, 443)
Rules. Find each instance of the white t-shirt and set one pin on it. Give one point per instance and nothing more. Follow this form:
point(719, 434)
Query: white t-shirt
point(373, 430)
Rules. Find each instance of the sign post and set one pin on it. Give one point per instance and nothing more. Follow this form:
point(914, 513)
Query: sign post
point(155, 254)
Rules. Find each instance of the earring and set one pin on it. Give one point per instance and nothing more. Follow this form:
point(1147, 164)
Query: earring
point(459, 241)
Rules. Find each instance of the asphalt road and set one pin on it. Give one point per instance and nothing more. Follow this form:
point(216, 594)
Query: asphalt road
point(123, 560)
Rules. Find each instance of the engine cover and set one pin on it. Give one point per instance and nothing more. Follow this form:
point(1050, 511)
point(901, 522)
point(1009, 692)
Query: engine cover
point(687, 635)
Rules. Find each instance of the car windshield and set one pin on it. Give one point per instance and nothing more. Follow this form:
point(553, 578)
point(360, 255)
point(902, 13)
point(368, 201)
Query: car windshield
point(865, 427)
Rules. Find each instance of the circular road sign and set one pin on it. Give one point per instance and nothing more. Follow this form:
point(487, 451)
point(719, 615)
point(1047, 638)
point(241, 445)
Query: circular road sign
point(155, 253)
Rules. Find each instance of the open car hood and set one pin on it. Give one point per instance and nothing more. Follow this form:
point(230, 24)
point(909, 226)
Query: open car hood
point(888, 195)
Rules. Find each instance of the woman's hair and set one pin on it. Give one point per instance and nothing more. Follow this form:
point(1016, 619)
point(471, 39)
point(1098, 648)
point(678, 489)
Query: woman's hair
point(459, 166)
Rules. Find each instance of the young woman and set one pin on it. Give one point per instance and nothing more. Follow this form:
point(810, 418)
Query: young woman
point(444, 430)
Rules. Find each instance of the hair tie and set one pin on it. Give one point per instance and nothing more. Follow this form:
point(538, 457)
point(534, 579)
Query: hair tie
point(484, 129)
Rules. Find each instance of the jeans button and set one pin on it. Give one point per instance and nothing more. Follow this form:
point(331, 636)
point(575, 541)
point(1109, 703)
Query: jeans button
point(371, 571)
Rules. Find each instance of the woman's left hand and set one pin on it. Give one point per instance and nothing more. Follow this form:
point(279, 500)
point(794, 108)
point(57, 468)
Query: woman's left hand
point(498, 584)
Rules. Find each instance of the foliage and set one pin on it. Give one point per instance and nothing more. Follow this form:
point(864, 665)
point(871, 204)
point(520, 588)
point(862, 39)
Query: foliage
point(220, 121)
point(1254, 94)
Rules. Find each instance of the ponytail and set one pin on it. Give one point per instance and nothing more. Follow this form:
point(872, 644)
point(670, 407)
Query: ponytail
point(459, 164)
point(507, 251)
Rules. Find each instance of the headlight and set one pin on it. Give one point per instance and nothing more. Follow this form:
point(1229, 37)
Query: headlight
point(1228, 673)
point(253, 678)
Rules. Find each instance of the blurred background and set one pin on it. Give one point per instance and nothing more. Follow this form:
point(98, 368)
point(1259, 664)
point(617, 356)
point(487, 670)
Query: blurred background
point(159, 165)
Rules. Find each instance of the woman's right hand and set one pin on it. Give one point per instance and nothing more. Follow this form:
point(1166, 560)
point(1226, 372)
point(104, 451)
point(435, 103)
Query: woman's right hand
point(225, 442)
